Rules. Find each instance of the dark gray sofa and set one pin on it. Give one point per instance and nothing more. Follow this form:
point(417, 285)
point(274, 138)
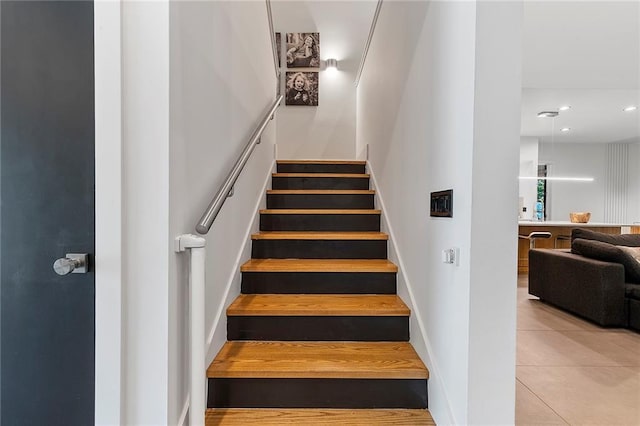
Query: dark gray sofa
point(598, 280)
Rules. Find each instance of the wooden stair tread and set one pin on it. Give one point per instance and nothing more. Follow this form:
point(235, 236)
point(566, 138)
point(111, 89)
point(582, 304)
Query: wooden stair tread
point(321, 175)
point(317, 416)
point(319, 235)
point(317, 305)
point(319, 265)
point(321, 191)
point(346, 360)
point(356, 162)
point(320, 211)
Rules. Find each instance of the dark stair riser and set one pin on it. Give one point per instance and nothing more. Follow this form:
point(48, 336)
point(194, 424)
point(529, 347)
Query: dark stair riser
point(320, 222)
point(320, 201)
point(318, 283)
point(319, 183)
point(321, 168)
point(319, 249)
point(319, 392)
point(316, 393)
point(319, 328)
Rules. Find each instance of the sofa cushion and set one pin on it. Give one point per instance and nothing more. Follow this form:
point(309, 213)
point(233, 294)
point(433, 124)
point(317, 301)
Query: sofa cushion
point(595, 249)
point(627, 256)
point(629, 240)
point(632, 291)
point(630, 258)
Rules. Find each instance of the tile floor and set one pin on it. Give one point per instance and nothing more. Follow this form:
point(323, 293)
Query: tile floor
point(570, 371)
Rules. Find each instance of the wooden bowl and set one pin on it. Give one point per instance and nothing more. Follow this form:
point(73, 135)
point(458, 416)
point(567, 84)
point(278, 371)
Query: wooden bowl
point(580, 217)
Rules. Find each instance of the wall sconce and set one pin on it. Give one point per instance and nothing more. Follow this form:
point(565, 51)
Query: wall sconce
point(331, 64)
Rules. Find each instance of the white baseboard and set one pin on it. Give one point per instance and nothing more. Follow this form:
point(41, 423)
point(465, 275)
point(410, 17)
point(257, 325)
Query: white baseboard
point(235, 271)
point(429, 361)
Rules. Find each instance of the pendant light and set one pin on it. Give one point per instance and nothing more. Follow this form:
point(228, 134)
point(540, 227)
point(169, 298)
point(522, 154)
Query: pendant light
point(552, 115)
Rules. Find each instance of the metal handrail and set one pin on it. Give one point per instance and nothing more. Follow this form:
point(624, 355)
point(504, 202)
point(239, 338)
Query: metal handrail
point(214, 207)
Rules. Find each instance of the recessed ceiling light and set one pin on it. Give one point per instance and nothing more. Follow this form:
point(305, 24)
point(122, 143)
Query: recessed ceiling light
point(565, 129)
point(564, 107)
point(630, 108)
point(548, 114)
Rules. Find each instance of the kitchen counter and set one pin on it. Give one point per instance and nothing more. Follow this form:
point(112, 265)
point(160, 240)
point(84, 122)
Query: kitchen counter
point(569, 224)
point(560, 235)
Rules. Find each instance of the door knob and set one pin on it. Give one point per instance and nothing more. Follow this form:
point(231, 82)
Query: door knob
point(73, 263)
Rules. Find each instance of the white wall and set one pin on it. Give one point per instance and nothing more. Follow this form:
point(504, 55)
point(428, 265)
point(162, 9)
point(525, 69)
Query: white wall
point(109, 377)
point(328, 130)
point(194, 79)
point(575, 160)
point(222, 83)
point(492, 313)
point(585, 160)
point(435, 73)
point(146, 245)
point(528, 191)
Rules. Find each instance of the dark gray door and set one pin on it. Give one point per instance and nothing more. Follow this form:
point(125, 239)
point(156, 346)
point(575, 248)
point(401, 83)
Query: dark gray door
point(46, 210)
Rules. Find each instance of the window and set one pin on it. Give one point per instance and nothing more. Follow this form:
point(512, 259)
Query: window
point(541, 199)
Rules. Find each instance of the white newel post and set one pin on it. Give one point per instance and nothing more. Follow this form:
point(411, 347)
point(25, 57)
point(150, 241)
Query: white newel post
point(196, 245)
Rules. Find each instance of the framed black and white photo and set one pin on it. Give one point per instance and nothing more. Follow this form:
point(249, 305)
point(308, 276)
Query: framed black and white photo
point(301, 88)
point(279, 49)
point(303, 50)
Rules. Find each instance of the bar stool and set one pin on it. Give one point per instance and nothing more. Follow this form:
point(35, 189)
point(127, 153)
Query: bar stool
point(532, 237)
point(561, 238)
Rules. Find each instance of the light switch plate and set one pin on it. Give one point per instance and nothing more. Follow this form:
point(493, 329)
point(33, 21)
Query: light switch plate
point(451, 256)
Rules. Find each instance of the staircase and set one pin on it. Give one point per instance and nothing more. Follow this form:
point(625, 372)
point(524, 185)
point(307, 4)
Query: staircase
point(318, 335)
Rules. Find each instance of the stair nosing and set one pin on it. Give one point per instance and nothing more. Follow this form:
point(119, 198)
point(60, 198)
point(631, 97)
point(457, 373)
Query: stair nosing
point(318, 305)
point(329, 360)
point(321, 235)
point(321, 191)
point(321, 211)
point(344, 416)
point(350, 162)
point(322, 175)
point(319, 266)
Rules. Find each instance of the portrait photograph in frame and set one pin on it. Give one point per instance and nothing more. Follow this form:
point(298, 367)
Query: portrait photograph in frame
point(303, 50)
point(301, 88)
